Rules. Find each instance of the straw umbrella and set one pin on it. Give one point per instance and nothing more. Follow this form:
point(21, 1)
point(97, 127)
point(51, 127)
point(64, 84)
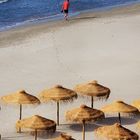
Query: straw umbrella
point(136, 104)
point(94, 90)
point(120, 107)
point(116, 132)
point(83, 115)
point(36, 123)
point(57, 94)
point(20, 98)
point(64, 137)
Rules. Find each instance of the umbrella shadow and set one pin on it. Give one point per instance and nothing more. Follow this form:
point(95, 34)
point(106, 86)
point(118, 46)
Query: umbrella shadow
point(49, 135)
point(112, 120)
point(12, 137)
point(137, 117)
point(79, 127)
point(42, 135)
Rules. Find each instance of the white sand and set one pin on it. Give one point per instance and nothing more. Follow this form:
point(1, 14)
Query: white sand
point(104, 49)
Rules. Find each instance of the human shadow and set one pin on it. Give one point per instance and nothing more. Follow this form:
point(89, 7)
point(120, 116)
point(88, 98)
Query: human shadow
point(82, 18)
point(112, 120)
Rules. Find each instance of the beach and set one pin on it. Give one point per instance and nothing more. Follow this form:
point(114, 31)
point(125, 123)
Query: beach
point(102, 46)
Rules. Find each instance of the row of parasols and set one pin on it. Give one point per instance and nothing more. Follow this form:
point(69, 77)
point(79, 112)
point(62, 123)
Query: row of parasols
point(83, 114)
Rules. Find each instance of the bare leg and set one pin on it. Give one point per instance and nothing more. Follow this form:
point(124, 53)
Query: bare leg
point(66, 16)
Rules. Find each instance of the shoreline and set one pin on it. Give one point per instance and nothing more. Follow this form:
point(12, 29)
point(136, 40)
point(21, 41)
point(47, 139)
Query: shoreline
point(59, 17)
point(23, 32)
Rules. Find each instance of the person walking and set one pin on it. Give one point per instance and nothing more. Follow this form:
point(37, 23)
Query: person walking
point(65, 9)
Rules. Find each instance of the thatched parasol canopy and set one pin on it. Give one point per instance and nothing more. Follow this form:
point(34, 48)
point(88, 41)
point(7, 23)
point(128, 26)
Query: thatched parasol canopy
point(116, 132)
point(20, 97)
point(120, 107)
point(37, 122)
point(58, 94)
point(84, 114)
point(136, 104)
point(64, 137)
point(94, 90)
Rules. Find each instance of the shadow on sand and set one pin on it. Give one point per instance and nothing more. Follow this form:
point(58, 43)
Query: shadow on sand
point(12, 137)
point(82, 18)
point(112, 120)
point(78, 127)
point(49, 135)
point(137, 117)
point(41, 135)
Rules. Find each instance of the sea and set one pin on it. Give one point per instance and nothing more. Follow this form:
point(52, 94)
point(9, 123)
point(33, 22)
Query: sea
point(14, 13)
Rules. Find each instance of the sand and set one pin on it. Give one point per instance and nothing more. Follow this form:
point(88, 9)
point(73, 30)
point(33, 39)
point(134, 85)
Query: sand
point(103, 47)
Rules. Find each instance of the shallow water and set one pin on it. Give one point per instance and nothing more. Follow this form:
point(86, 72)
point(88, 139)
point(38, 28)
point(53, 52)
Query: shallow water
point(18, 12)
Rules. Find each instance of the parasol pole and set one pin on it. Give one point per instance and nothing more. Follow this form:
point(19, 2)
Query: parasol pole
point(57, 112)
point(83, 130)
point(20, 112)
point(119, 118)
point(20, 116)
point(35, 134)
point(91, 101)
